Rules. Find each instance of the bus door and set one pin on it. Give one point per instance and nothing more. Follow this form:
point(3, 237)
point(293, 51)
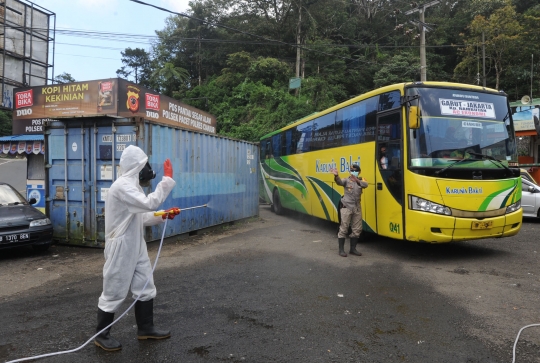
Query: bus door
point(389, 174)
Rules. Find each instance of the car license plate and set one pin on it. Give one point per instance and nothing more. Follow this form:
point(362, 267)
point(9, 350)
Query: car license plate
point(14, 237)
point(482, 225)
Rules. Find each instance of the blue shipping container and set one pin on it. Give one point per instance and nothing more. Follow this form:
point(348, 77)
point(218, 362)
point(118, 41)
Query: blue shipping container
point(82, 160)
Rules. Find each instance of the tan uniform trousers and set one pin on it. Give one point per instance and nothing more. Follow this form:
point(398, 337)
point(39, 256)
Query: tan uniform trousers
point(353, 219)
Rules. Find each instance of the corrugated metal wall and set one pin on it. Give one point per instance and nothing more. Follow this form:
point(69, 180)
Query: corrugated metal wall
point(208, 169)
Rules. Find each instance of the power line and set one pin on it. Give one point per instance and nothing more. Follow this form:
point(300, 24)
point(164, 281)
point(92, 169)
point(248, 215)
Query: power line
point(116, 37)
point(240, 31)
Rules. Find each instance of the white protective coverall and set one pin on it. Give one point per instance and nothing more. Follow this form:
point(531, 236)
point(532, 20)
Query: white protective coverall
point(127, 211)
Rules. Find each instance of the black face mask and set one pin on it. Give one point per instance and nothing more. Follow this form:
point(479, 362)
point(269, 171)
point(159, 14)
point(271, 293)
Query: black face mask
point(145, 175)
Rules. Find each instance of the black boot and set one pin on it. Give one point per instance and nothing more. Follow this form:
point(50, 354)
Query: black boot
point(104, 340)
point(341, 242)
point(144, 314)
point(353, 250)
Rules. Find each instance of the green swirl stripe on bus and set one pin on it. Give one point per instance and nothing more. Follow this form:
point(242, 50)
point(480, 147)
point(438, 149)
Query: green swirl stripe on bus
point(320, 199)
point(287, 166)
point(278, 171)
point(328, 191)
point(507, 192)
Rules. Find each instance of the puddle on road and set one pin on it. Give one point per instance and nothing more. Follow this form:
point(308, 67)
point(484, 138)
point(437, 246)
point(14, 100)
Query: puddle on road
point(200, 351)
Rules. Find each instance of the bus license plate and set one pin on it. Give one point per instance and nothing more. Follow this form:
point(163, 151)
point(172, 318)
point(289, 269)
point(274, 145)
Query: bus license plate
point(14, 237)
point(482, 225)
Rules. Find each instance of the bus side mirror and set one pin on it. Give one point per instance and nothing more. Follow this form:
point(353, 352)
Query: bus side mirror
point(414, 117)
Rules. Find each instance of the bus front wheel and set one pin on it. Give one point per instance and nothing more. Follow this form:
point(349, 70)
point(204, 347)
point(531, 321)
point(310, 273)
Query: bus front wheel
point(276, 204)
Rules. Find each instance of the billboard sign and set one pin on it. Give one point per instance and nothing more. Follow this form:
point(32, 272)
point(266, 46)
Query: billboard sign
point(524, 118)
point(110, 97)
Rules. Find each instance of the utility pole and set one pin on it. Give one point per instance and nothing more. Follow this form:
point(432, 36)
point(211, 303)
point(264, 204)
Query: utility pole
point(532, 69)
point(483, 60)
point(298, 39)
point(421, 9)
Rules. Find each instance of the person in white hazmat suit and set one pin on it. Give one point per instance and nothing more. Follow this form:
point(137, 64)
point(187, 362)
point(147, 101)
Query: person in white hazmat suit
point(127, 211)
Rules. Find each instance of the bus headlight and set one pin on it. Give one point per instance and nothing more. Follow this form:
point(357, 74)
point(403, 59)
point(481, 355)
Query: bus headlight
point(427, 206)
point(513, 207)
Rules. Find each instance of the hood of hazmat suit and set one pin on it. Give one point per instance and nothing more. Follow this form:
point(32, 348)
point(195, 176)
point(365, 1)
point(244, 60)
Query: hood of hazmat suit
point(127, 211)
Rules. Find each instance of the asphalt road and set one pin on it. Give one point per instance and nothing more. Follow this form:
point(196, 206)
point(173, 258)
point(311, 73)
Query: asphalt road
point(275, 290)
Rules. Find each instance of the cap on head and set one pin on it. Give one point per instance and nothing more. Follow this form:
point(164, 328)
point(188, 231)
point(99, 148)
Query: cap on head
point(355, 167)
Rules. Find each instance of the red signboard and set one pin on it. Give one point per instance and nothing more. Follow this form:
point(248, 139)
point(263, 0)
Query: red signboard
point(152, 102)
point(24, 99)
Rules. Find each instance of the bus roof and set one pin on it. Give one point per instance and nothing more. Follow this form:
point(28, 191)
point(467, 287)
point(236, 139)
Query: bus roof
point(393, 87)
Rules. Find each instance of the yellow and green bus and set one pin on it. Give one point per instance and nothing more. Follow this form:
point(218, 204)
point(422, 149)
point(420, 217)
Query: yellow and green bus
point(448, 173)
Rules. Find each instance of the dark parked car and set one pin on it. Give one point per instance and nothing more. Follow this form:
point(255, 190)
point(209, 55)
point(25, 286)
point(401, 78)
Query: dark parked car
point(20, 223)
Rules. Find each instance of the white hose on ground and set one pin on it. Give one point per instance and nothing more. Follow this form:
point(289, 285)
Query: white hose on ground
point(515, 344)
point(108, 326)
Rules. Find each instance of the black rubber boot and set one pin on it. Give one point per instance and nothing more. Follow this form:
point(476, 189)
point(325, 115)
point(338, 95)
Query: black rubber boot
point(104, 340)
point(353, 250)
point(341, 242)
point(144, 314)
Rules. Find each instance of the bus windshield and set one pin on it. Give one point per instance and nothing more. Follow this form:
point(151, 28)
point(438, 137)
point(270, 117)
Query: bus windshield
point(460, 124)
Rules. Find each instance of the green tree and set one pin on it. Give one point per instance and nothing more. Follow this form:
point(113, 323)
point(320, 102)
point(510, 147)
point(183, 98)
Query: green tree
point(502, 32)
point(169, 77)
point(5, 123)
point(137, 66)
point(400, 68)
point(64, 78)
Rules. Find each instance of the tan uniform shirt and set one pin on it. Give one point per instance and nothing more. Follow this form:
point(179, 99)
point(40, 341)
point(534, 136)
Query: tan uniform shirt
point(353, 192)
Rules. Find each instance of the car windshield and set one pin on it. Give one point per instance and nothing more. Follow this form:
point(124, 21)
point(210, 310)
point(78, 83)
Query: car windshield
point(456, 124)
point(9, 196)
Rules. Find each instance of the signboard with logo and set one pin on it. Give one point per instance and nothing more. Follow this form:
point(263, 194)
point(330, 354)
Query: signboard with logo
point(113, 97)
point(38, 192)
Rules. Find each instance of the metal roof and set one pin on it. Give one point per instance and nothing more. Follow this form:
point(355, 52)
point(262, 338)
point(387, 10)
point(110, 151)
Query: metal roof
point(21, 138)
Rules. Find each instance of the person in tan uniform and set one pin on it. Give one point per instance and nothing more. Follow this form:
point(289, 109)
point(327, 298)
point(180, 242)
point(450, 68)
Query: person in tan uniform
point(351, 213)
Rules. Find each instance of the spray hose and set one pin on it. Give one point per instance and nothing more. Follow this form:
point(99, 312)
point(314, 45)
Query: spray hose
point(159, 213)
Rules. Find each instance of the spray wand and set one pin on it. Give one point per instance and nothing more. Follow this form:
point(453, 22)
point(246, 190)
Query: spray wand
point(176, 210)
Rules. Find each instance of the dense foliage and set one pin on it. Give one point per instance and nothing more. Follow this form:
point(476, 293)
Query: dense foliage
point(234, 58)
point(5, 123)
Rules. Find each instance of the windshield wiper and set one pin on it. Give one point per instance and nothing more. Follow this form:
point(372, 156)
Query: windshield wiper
point(494, 161)
point(454, 163)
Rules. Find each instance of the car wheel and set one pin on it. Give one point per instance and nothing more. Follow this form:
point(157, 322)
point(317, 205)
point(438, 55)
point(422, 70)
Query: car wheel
point(278, 209)
point(41, 248)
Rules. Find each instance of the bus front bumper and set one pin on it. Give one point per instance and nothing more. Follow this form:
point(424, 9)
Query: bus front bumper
point(442, 229)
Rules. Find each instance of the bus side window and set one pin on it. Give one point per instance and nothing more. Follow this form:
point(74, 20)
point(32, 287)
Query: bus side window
point(286, 140)
point(390, 100)
point(268, 149)
point(356, 123)
point(276, 145)
point(306, 131)
point(262, 154)
point(323, 132)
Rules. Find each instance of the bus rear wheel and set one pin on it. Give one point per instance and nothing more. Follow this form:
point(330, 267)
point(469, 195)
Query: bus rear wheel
point(276, 203)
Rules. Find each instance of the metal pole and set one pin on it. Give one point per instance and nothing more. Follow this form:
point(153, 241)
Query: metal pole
point(483, 60)
point(532, 63)
point(423, 73)
point(94, 182)
point(4, 64)
point(113, 133)
point(83, 178)
point(66, 190)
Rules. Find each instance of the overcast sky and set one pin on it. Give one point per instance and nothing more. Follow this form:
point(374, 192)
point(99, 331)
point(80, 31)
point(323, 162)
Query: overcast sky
point(87, 58)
